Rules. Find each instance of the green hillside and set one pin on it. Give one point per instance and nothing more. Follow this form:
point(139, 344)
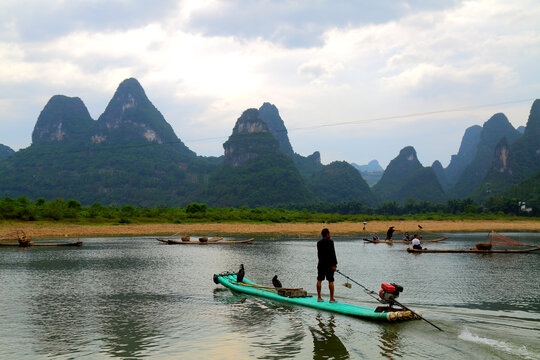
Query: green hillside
point(270, 179)
point(338, 182)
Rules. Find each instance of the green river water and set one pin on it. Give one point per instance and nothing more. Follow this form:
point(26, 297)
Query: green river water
point(134, 298)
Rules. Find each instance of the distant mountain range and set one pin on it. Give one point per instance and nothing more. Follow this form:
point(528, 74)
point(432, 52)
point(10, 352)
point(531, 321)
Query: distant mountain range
point(131, 155)
point(406, 178)
point(372, 172)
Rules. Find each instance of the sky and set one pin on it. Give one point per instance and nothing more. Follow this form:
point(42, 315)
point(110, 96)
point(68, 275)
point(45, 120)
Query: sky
point(355, 80)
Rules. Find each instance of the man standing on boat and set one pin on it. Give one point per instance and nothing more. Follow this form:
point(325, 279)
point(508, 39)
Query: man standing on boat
point(327, 264)
point(390, 232)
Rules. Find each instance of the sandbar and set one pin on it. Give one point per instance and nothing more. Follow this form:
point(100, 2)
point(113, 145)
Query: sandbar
point(52, 230)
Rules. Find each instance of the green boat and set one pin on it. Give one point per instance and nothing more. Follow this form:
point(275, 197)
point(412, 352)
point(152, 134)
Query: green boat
point(228, 279)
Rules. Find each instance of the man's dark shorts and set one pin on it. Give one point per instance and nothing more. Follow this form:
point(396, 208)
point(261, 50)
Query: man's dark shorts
point(327, 273)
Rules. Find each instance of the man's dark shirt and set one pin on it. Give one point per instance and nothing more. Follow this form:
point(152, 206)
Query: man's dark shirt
point(326, 253)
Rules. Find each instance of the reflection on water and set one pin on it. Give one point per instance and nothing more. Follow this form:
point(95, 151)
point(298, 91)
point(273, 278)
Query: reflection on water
point(273, 330)
point(130, 325)
point(326, 344)
point(389, 343)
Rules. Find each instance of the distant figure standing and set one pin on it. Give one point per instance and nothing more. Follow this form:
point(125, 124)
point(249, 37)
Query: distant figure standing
point(327, 264)
point(389, 233)
point(416, 242)
point(406, 236)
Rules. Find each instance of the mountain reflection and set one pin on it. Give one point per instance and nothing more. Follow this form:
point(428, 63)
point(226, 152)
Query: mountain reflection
point(390, 343)
point(81, 302)
point(326, 344)
point(273, 330)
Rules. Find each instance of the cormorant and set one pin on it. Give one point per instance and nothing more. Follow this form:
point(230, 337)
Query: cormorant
point(240, 274)
point(276, 282)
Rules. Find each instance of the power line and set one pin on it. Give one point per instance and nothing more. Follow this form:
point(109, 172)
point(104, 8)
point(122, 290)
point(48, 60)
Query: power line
point(344, 123)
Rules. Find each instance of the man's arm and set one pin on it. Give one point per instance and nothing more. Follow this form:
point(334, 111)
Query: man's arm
point(334, 258)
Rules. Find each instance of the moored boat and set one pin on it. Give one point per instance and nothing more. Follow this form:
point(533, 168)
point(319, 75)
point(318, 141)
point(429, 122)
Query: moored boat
point(403, 241)
point(228, 279)
point(473, 250)
point(32, 243)
point(176, 242)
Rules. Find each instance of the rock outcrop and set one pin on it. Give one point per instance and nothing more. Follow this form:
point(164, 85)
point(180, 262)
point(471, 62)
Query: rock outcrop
point(515, 161)
point(493, 130)
point(270, 114)
point(465, 155)
point(250, 138)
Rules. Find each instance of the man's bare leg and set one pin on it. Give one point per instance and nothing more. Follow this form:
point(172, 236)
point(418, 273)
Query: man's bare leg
point(331, 288)
point(319, 286)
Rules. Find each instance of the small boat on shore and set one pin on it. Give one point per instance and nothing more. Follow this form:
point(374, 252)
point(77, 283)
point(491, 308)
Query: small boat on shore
point(403, 241)
point(209, 242)
point(228, 279)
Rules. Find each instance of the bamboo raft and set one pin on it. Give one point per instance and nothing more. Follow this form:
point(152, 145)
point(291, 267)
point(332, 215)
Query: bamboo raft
point(402, 241)
point(474, 251)
point(217, 242)
point(22, 240)
point(299, 297)
point(32, 243)
point(188, 239)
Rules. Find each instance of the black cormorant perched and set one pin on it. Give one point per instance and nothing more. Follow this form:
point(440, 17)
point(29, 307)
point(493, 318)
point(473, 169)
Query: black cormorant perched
point(240, 274)
point(276, 282)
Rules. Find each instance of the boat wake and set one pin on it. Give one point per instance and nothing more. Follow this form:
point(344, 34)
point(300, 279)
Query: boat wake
point(520, 351)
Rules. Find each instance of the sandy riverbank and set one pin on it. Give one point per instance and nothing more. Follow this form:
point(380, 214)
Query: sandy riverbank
point(50, 230)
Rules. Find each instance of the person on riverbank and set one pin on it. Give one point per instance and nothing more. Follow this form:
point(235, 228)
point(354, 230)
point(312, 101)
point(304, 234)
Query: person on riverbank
point(416, 242)
point(327, 264)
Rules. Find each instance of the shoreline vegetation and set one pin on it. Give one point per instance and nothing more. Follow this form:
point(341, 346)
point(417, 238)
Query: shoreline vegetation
point(60, 218)
point(47, 229)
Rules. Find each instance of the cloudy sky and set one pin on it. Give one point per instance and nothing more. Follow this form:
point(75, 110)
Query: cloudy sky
point(356, 80)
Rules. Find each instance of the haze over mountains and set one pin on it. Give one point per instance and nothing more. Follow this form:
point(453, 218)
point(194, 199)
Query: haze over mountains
point(131, 155)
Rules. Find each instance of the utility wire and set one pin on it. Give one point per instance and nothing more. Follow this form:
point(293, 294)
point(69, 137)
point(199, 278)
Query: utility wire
point(344, 123)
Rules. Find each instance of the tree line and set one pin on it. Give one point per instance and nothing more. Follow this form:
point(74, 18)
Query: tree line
point(61, 210)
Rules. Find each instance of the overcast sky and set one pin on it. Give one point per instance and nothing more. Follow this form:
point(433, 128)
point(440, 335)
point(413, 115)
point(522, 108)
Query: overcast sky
point(343, 74)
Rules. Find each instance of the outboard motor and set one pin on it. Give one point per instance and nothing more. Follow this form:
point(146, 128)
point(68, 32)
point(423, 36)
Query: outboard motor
point(390, 292)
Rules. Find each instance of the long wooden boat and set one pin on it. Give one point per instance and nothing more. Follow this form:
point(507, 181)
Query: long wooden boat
point(403, 241)
point(176, 242)
point(32, 243)
point(188, 239)
point(474, 251)
point(228, 279)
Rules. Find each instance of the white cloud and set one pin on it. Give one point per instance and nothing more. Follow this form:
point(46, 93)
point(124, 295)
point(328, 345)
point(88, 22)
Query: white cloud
point(201, 79)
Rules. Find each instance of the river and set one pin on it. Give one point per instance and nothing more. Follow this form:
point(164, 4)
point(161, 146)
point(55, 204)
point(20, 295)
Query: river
point(134, 298)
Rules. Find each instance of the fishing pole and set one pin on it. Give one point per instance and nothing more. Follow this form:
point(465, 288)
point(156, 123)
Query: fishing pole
point(371, 292)
point(420, 316)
